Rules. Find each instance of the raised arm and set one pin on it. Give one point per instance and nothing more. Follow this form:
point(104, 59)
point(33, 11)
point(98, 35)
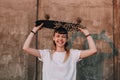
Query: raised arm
point(26, 46)
point(92, 48)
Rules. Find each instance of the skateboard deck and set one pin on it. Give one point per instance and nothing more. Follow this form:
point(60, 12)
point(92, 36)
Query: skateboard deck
point(51, 24)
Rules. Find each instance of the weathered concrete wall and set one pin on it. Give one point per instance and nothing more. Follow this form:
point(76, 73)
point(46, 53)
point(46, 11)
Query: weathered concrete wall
point(98, 17)
point(16, 19)
point(117, 38)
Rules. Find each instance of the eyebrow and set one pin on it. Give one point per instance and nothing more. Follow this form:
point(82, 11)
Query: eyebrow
point(61, 34)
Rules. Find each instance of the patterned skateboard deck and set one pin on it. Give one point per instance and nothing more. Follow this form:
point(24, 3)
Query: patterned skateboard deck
point(51, 24)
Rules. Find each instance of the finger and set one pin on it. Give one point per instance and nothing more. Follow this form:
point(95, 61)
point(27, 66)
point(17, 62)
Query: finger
point(80, 29)
point(40, 27)
point(41, 24)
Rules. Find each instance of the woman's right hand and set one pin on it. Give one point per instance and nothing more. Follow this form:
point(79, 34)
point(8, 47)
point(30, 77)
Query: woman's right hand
point(36, 28)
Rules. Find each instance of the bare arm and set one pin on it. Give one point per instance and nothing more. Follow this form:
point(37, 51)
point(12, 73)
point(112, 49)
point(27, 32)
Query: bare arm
point(26, 46)
point(92, 48)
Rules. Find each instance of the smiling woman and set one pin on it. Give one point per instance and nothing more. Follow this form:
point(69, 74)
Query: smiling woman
point(60, 63)
point(60, 37)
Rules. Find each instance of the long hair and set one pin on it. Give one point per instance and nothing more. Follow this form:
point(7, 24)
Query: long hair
point(62, 30)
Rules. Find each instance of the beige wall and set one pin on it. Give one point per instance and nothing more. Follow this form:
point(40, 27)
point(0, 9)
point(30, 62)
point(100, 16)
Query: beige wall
point(117, 37)
point(16, 19)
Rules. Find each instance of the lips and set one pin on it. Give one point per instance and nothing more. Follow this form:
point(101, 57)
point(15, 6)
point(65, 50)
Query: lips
point(60, 42)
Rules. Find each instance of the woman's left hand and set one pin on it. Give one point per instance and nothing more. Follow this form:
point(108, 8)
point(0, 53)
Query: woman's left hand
point(84, 31)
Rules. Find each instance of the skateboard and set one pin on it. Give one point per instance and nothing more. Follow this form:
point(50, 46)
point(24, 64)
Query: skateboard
point(51, 24)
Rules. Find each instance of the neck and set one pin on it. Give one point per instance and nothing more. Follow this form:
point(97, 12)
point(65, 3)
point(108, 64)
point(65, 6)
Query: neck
point(60, 49)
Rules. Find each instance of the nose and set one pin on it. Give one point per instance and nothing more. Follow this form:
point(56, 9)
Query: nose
point(60, 38)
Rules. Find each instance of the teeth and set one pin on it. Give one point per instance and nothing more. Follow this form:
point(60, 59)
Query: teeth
point(60, 42)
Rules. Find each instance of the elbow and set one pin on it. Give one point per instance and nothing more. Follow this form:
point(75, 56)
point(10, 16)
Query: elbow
point(24, 48)
point(94, 51)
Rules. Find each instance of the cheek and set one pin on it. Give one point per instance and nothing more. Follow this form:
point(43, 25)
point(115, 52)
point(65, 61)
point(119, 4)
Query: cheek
point(65, 40)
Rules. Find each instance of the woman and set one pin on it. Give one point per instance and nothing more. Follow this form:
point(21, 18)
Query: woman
point(60, 63)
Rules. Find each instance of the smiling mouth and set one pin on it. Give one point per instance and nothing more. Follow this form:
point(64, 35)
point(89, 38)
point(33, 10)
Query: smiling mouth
point(60, 42)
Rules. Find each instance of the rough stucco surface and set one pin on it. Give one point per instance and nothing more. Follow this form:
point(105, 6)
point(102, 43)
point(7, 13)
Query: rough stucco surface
point(117, 37)
point(16, 18)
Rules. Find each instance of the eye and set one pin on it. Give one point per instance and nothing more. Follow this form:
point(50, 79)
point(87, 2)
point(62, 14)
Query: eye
point(64, 36)
point(57, 36)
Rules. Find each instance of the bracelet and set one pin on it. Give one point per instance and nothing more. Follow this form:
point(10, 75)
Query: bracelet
point(33, 32)
point(88, 35)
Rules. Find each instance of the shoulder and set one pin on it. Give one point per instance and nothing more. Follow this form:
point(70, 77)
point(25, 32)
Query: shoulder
point(75, 54)
point(75, 51)
point(45, 53)
point(42, 51)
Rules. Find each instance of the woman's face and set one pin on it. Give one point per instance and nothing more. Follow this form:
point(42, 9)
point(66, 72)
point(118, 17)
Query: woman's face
point(60, 39)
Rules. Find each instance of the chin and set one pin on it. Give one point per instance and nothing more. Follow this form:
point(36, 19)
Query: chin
point(60, 45)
